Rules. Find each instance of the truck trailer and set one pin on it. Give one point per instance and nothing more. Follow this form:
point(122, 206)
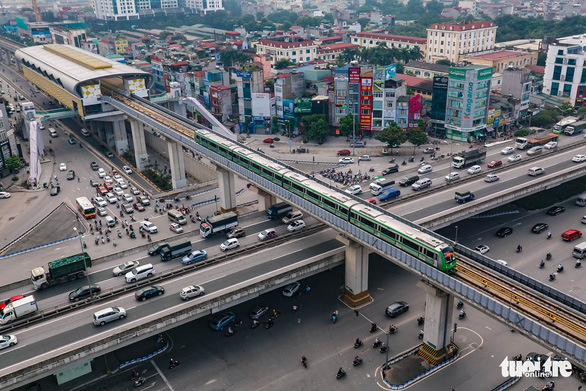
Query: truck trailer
point(575, 128)
point(524, 143)
point(463, 197)
point(18, 309)
point(468, 158)
point(174, 250)
point(61, 270)
point(561, 126)
point(218, 224)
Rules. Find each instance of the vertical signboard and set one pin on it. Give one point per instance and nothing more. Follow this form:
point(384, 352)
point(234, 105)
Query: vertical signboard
point(354, 75)
point(365, 103)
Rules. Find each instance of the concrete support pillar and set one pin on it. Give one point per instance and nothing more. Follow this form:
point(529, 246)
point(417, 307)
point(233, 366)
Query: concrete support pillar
point(438, 324)
point(177, 165)
point(265, 200)
point(356, 273)
point(120, 138)
point(139, 145)
point(227, 188)
point(178, 108)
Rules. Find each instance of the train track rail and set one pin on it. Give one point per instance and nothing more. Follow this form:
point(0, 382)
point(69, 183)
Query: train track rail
point(523, 300)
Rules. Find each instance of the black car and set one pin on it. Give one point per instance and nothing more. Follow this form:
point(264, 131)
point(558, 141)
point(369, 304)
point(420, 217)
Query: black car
point(539, 227)
point(556, 210)
point(236, 233)
point(94, 166)
point(390, 170)
point(84, 291)
point(102, 148)
point(71, 175)
point(94, 183)
point(396, 309)
point(149, 291)
point(504, 232)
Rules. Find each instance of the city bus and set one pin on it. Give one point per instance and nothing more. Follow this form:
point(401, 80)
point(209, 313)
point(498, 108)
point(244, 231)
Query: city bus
point(85, 207)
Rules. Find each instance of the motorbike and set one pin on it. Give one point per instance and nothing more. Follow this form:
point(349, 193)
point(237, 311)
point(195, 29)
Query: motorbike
point(541, 265)
point(373, 328)
point(84, 245)
point(268, 325)
point(371, 169)
point(461, 315)
point(132, 218)
point(460, 305)
point(119, 234)
point(392, 160)
point(420, 335)
point(376, 344)
point(304, 362)
point(192, 219)
point(114, 243)
point(357, 344)
point(560, 269)
point(357, 361)
point(173, 364)
point(130, 227)
point(139, 382)
point(404, 163)
point(132, 235)
point(255, 324)
point(333, 318)
point(420, 320)
point(340, 374)
point(384, 348)
point(393, 330)
point(121, 214)
point(551, 277)
point(548, 256)
point(107, 238)
point(422, 159)
point(230, 333)
point(578, 264)
point(518, 357)
point(519, 249)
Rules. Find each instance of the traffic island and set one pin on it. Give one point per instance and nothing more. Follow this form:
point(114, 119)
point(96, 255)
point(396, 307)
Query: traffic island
point(414, 365)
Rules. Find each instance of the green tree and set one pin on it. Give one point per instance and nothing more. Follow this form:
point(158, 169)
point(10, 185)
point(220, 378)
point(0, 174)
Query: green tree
point(581, 112)
point(349, 54)
point(544, 118)
point(417, 137)
point(522, 132)
point(434, 7)
point(283, 63)
point(363, 22)
point(13, 163)
point(541, 57)
point(393, 135)
point(231, 57)
point(315, 127)
point(274, 124)
point(347, 124)
point(444, 62)
point(163, 35)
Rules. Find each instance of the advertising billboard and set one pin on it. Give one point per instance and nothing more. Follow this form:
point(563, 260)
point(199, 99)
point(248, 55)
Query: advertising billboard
point(354, 75)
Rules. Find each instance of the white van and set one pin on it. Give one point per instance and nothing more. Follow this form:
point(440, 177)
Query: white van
point(177, 217)
point(500, 261)
point(52, 132)
point(421, 184)
point(581, 200)
point(85, 132)
point(579, 251)
point(110, 221)
point(108, 315)
point(535, 171)
point(534, 151)
point(140, 272)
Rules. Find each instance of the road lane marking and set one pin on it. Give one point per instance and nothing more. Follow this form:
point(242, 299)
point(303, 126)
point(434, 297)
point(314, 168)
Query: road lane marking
point(162, 375)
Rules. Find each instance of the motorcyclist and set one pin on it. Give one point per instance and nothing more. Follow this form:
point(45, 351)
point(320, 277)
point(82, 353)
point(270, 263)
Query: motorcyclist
point(519, 248)
point(552, 276)
point(560, 267)
point(230, 331)
point(383, 347)
point(462, 313)
point(134, 374)
point(548, 256)
point(341, 371)
point(255, 322)
point(173, 362)
point(541, 264)
point(358, 342)
point(578, 263)
point(303, 359)
point(376, 341)
point(372, 327)
point(392, 328)
point(548, 234)
point(356, 359)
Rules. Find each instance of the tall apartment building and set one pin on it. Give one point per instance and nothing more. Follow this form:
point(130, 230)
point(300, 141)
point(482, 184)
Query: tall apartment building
point(248, 82)
point(565, 70)
point(295, 49)
point(467, 104)
point(115, 9)
point(449, 41)
point(64, 35)
point(204, 6)
point(517, 83)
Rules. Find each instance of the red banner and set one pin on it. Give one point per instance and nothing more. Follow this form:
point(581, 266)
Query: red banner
point(354, 75)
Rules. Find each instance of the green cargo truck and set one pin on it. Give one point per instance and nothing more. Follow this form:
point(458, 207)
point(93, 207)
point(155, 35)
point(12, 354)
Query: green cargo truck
point(61, 270)
point(174, 250)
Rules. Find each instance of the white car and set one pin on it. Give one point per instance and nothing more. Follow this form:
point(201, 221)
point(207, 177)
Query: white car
point(425, 169)
point(296, 225)
point(364, 158)
point(108, 178)
point(118, 191)
point(191, 291)
point(229, 244)
point(134, 191)
point(4, 194)
point(111, 198)
point(101, 172)
point(62, 167)
point(514, 158)
point(354, 190)
point(291, 289)
point(474, 169)
point(7, 340)
point(491, 178)
point(127, 198)
point(148, 227)
point(482, 248)
point(127, 170)
point(100, 202)
point(346, 160)
point(551, 145)
point(507, 151)
point(579, 158)
point(122, 269)
point(118, 178)
point(102, 211)
point(452, 176)
point(176, 228)
point(123, 185)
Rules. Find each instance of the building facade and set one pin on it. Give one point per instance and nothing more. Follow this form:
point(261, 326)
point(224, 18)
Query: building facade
point(449, 41)
point(371, 40)
point(502, 59)
point(68, 36)
point(204, 6)
point(467, 101)
point(565, 70)
point(115, 9)
point(293, 49)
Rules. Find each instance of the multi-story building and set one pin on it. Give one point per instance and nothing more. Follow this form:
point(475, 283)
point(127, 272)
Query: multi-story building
point(518, 83)
point(221, 102)
point(467, 104)
point(438, 106)
point(426, 70)
point(155, 4)
point(204, 6)
point(449, 41)
point(370, 40)
point(67, 36)
point(565, 70)
point(402, 117)
point(115, 9)
point(330, 52)
point(395, 87)
point(249, 82)
point(295, 49)
point(500, 60)
point(8, 146)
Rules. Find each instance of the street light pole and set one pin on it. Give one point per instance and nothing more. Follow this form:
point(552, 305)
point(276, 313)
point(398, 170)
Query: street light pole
point(387, 352)
point(456, 237)
point(78, 232)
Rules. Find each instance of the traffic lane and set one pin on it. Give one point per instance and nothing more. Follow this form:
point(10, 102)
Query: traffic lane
point(535, 246)
point(507, 179)
point(59, 294)
point(78, 326)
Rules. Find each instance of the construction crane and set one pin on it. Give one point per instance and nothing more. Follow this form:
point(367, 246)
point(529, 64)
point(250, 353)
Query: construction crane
point(37, 11)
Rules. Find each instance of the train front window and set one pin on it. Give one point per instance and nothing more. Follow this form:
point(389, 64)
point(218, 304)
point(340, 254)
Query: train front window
point(448, 252)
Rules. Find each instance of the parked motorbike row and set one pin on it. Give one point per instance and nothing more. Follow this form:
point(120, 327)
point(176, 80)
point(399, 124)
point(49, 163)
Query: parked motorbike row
point(345, 178)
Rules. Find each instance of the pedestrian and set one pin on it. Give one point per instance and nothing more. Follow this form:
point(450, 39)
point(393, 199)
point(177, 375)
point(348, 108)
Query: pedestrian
point(358, 161)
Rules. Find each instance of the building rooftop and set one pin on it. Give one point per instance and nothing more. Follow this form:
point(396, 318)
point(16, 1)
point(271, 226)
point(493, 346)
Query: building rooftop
point(417, 82)
point(499, 55)
point(285, 45)
point(428, 66)
point(461, 26)
point(391, 37)
point(334, 47)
